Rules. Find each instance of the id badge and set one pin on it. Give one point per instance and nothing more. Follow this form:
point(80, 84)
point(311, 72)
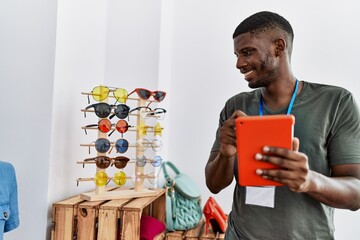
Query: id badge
point(260, 196)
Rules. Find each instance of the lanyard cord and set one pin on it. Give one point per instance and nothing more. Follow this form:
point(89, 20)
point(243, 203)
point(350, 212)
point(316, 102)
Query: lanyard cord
point(261, 107)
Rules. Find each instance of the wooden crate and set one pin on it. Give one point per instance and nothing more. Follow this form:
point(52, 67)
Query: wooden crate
point(78, 219)
point(195, 233)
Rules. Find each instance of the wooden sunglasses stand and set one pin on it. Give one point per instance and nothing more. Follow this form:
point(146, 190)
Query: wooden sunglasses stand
point(103, 192)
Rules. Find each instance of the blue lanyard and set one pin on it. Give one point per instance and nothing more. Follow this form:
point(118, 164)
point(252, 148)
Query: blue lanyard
point(290, 104)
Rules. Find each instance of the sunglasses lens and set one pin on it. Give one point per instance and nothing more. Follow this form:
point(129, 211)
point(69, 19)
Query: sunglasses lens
point(104, 125)
point(122, 126)
point(100, 93)
point(159, 114)
point(158, 129)
point(159, 95)
point(121, 162)
point(100, 179)
point(141, 128)
point(122, 111)
point(122, 145)
point(141, 161)
point(143, 144)
point(121, 95)
point(145, 113)
point(102, 145)
point(153, 179)
point(156, 162)
point(156, 145)
point(102, 110)
point(143, 93)
point(120, 178)
point(102, 162)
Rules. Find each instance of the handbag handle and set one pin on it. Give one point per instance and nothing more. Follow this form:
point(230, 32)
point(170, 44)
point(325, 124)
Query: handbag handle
point(169, 181)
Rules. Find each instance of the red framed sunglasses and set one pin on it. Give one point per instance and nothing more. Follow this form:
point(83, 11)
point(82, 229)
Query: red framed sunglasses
point(105, 125)
point(145, 94)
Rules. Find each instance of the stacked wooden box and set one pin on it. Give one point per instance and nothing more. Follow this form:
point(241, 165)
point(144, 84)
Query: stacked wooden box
point(196, 233)
point(75, 218)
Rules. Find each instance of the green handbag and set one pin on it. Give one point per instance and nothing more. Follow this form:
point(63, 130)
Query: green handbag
point(183, 200)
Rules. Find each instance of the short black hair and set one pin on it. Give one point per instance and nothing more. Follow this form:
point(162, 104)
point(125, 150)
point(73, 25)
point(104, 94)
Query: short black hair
point(264, 21)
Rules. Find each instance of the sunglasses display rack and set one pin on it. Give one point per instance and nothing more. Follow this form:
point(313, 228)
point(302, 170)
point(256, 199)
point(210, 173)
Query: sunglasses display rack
point(104, 146)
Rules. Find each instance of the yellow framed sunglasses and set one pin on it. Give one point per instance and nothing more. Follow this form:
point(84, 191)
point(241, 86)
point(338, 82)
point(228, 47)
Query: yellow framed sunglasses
point(100, 93)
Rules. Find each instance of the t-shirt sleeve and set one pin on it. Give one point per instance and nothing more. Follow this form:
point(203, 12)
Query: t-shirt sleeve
point(225, 113)
point(13, 221)
point(344, 140)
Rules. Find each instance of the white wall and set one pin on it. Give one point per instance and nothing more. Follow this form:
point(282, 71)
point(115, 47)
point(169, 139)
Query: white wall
point(182, 47)
point(27, 55)
point(97, 43)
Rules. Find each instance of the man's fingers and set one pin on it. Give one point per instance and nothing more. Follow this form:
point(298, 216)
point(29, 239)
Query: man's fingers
point(296, 144)
point(238, 113)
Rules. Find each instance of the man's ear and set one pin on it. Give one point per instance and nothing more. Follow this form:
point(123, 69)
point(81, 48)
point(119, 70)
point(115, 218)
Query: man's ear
point(280, 46)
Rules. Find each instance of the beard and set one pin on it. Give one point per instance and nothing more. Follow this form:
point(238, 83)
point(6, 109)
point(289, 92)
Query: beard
point(267, 74)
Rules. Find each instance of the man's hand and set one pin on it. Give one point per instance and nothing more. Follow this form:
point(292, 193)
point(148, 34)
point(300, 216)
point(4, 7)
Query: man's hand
point(219, 170)
point(228, 135)
point(294, 172)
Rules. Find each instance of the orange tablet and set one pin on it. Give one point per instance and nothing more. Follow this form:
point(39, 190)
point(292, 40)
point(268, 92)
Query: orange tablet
point(252, 134)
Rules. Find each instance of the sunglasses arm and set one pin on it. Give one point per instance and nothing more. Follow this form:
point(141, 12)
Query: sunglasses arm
point(111, 133)
point(149, 103)
point(82, 180)
point(111, 149)
point(89, 126)
point(85, 162)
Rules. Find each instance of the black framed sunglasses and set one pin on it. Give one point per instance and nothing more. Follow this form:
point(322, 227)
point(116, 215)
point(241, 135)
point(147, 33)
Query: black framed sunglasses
point(103, 110)
point(147, 112)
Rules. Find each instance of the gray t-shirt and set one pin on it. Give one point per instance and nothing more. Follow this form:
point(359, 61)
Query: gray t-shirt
point(327, 123)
